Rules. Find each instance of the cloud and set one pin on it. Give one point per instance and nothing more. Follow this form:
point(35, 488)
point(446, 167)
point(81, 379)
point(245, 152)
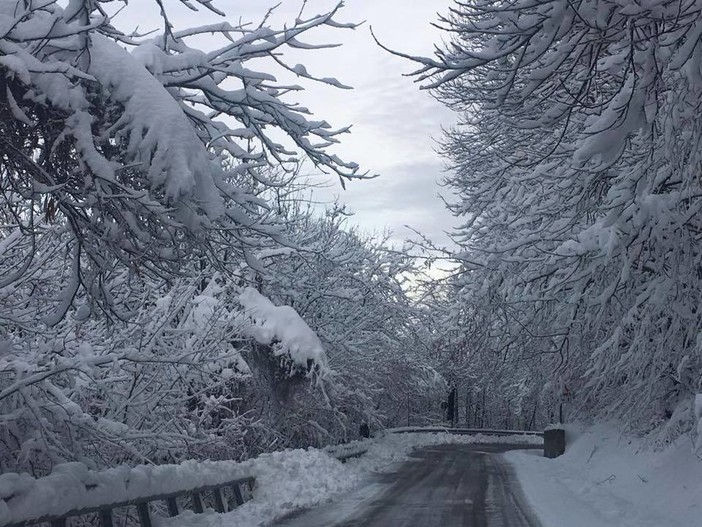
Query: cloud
point(393, 121)
point(404, 195)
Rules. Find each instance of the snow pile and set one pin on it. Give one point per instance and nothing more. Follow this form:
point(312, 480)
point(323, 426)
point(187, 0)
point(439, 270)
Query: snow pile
point(285, 481)
point(606, 479)
point(284, 328)
point(353, 448)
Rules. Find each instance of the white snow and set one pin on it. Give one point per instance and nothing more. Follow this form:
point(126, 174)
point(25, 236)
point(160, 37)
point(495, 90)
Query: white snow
point(608, 479)
point(283, 327)
point(176, 160)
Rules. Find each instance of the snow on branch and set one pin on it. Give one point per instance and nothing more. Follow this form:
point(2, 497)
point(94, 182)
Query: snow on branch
point(283, 329)
point(151, 150)
point(576, 167)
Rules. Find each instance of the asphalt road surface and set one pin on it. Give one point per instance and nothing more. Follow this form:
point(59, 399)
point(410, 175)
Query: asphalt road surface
point(444, 485)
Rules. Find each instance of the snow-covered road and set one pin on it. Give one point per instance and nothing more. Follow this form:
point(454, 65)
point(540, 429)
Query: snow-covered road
point(442, 485)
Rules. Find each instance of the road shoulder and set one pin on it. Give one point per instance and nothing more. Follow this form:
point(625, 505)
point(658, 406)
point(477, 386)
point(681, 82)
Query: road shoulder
point(606, 479)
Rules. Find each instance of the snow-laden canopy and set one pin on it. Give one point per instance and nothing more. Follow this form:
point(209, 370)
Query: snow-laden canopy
point(146, 148)
point(576, 165)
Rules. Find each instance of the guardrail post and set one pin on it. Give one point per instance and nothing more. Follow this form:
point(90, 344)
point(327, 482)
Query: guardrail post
point(554, 442)
point(172, 506)
point(218, 501)
point(144, 514)
point(106, 517)
point(197, 503)
point(238, 496)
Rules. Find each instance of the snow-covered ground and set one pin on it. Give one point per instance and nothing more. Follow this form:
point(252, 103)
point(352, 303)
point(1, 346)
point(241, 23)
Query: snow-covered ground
point(604, 480)
point(609, 480)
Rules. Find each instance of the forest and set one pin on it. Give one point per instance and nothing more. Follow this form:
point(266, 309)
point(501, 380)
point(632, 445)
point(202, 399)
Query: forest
point(168, 290)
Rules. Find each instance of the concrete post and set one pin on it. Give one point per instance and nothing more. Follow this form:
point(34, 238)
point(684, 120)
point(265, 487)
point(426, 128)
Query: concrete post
point(554, 442)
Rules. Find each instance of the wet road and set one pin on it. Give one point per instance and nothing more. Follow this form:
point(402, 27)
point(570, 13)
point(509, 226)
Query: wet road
point(445, 485)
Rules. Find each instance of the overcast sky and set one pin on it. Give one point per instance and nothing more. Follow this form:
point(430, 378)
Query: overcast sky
point(393, 121)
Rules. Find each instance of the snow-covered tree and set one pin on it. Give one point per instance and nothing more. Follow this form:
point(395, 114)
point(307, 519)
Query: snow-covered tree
point(355, 292)
point(577, 167)
point(146, 149)
point(134, 176)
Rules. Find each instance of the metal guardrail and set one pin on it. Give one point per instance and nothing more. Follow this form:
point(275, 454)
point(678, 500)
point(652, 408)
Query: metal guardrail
point(464, 431)
point(554, 437)
point(143, 508)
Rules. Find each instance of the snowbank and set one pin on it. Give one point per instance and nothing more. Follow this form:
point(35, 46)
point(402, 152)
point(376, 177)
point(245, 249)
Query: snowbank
point(605, 479)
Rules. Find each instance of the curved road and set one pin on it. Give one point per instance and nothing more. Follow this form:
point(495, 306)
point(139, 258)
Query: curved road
point(444, 485)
